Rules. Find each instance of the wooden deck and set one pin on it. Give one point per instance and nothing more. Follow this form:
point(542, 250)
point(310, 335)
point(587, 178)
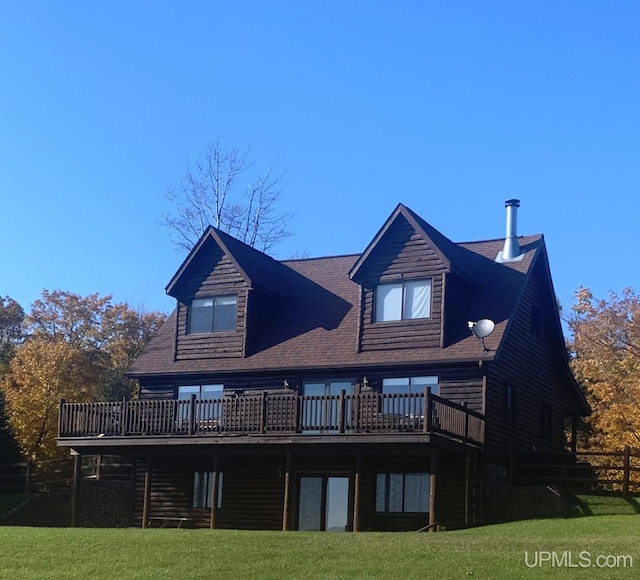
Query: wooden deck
point(285, 414)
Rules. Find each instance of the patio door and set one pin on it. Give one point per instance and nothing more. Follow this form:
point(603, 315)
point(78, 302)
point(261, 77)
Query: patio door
point(323, 503)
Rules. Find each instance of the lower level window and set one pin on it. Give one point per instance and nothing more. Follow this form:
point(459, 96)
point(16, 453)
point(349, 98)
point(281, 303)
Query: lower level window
point(402, 492)
point(203, 489)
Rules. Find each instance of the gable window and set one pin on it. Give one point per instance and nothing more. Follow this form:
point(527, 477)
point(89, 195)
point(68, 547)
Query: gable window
point(402, 492)
point(203, 489)
point(403, 300)
point(216, 314)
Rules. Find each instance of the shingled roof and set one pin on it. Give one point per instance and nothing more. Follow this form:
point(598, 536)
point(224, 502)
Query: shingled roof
point(317, 323)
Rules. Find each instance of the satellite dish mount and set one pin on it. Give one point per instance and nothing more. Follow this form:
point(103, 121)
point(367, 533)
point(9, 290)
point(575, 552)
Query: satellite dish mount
point(481, 329)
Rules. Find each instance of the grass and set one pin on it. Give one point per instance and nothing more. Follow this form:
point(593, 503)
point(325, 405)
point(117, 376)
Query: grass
point(488, 552)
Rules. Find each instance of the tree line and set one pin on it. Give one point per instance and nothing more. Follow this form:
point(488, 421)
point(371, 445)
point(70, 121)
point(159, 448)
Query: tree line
point(67, 346)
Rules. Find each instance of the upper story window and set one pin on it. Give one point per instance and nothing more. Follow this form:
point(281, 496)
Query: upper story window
point(406, 385)
point(217, 314)
point(403, 300)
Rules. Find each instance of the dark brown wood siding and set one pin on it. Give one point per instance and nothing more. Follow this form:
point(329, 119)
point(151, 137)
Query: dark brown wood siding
point(213, 275)
point(401, 255)
point(253, 488)
point(458, 384)
point(252, 491)
point(529, 361)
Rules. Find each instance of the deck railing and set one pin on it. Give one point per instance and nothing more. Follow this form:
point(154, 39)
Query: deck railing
point(269, 413)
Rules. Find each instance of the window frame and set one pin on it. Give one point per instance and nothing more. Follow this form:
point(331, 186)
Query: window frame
point(212, 316)
point(378, 306)
point(390, 503)
point(202, 490)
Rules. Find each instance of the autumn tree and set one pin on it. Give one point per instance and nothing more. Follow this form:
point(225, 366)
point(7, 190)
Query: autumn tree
point(78, 348)
point(217, 189)
point(109, 335)
point(606, 361)
point(41, 373)
point(11, 334)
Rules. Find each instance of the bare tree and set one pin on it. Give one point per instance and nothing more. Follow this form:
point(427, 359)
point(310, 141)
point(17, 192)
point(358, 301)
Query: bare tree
point(210, 193)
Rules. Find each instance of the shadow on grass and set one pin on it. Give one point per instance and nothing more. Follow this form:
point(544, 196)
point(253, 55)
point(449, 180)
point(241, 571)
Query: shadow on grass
point(602, 503)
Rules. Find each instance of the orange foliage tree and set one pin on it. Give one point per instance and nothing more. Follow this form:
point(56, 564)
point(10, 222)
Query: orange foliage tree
point(605, 351)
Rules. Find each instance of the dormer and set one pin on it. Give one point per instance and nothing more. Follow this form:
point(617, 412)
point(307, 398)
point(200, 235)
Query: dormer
point(215, 288)
point(402, 276)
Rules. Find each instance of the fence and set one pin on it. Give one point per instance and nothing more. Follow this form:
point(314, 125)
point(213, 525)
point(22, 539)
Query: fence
point(57, 474)
point(606, 470)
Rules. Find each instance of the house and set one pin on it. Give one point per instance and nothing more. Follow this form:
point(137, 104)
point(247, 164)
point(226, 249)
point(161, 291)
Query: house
point(377, 391)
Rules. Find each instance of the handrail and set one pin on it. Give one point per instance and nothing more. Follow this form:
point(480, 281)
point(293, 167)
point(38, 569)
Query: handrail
point(275, 413)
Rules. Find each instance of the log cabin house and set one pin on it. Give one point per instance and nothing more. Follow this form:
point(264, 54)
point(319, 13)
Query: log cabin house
point(341, 393)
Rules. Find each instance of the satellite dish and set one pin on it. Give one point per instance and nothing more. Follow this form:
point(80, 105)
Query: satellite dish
point(481, 329)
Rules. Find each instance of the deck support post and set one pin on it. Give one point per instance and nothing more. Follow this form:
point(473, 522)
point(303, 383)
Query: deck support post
point(75, 498)
point(574, 434)
point(467, 485)
point(356, 493)
point(287, 494)
point(147, 492)
point(214, 485)
point(432, 489)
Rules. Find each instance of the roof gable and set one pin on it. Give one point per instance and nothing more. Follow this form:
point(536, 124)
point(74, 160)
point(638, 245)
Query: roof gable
point(449, 254)
point(257, 269)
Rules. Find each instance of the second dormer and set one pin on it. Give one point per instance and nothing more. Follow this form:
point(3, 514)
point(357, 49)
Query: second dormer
point(215, 289)
point(402, 276)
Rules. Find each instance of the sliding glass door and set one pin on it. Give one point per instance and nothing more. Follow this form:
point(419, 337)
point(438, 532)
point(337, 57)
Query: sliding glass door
point(323, 503)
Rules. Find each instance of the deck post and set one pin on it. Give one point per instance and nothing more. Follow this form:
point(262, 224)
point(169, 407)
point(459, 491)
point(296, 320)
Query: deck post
point(466, 421)
point(427, 410)
point(192, 414)
point(287, 493)
point(123, 417)
point(574, 434)
point(341, 411)
point(75, 498)
point(263, 413)
point(467, 486)
point(432, 489)
point(147, 492)
point(356, 493)
point(214, 494)
point(60, 421)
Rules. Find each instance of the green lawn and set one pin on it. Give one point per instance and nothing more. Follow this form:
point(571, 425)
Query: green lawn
point(488, 552)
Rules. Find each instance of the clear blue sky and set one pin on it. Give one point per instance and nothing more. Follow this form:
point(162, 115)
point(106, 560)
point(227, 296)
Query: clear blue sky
point(448, 107)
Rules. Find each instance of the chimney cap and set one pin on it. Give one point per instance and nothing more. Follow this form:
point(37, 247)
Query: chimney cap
point(511, 202)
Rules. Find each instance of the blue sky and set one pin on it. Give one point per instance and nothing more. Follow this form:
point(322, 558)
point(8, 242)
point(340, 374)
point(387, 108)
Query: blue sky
point(448, 107)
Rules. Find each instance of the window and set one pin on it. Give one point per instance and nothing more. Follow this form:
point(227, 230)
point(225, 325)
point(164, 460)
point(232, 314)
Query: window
point(203, 489)
point(402, 492)
point(508, 404)
point(410, 385)
point(217, 314)
point(204, 411)
point(399, 406)
point(321, 405)
point(546, 415)
point(403, 300)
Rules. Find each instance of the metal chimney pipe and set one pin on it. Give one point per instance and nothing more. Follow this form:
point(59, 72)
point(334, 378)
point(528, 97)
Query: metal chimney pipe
point(511, 247)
